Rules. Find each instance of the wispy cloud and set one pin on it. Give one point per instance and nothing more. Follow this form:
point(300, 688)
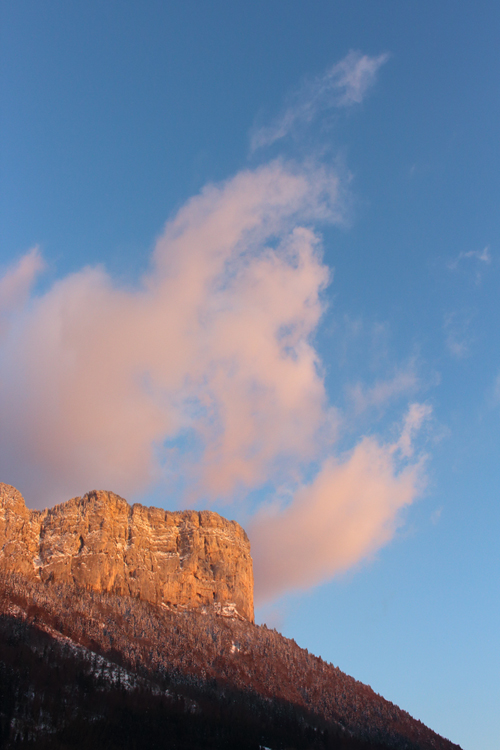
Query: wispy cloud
point(476, 261)
point(383, 391)
point(484, 256)
point(16, 282)
point(414, 419)
point(458, 337)
point(436, 515)
point(344, 84)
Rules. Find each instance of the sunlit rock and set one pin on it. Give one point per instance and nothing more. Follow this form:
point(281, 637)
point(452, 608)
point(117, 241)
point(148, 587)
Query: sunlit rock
point(181, 559)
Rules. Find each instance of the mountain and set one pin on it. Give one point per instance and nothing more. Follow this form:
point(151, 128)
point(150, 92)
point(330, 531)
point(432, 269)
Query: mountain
point(184, 560)
point(85, 665)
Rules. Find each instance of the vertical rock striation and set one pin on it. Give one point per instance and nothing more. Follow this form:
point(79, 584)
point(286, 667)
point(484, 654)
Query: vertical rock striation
point(182, 559)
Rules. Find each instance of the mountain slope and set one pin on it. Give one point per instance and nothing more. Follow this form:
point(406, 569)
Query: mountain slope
point(185, 680)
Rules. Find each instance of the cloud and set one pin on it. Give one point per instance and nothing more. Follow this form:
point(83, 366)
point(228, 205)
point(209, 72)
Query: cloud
point(16, 283)
point(383, 391)
point(344, 515)
point(344, 84)
point(203, 380)
point(458, 338)
point(436, 515)
point(483, 256)
point(416, 416)
point(214, 346)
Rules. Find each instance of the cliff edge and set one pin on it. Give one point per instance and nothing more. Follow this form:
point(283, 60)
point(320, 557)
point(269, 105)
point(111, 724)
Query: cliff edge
point(182, 560)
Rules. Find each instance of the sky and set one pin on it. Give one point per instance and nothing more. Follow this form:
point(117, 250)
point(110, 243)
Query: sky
point(250, 261)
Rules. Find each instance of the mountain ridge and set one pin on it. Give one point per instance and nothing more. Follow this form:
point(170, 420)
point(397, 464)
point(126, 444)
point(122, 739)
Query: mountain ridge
point(71, 613)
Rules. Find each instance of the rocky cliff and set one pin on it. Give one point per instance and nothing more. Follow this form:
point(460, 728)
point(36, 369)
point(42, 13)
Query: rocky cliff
point(182, 559)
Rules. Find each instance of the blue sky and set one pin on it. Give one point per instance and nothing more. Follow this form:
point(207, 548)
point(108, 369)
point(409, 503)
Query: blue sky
point(344, 347)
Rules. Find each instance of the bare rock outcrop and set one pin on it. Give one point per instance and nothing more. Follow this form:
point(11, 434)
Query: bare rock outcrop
point(181, 559)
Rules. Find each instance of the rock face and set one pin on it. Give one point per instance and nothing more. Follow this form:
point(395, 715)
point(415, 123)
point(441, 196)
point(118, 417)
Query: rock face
point(182, 559)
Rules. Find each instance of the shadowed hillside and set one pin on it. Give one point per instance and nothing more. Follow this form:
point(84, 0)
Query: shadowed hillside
point(83, 669)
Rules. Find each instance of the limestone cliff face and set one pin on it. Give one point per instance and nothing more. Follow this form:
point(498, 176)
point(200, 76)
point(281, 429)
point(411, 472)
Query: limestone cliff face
point(182, 559)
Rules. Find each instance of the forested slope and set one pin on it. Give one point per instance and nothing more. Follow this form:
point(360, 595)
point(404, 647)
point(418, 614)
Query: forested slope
point(82, 669)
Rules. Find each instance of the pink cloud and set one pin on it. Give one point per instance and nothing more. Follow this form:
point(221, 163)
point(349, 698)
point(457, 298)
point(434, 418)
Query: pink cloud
point(343, 84)
point(215, 340)
point(344, 515)
point(383, 391)
point(354, 75)
point(205, 372)
point(16, 283)
point(417, 414)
